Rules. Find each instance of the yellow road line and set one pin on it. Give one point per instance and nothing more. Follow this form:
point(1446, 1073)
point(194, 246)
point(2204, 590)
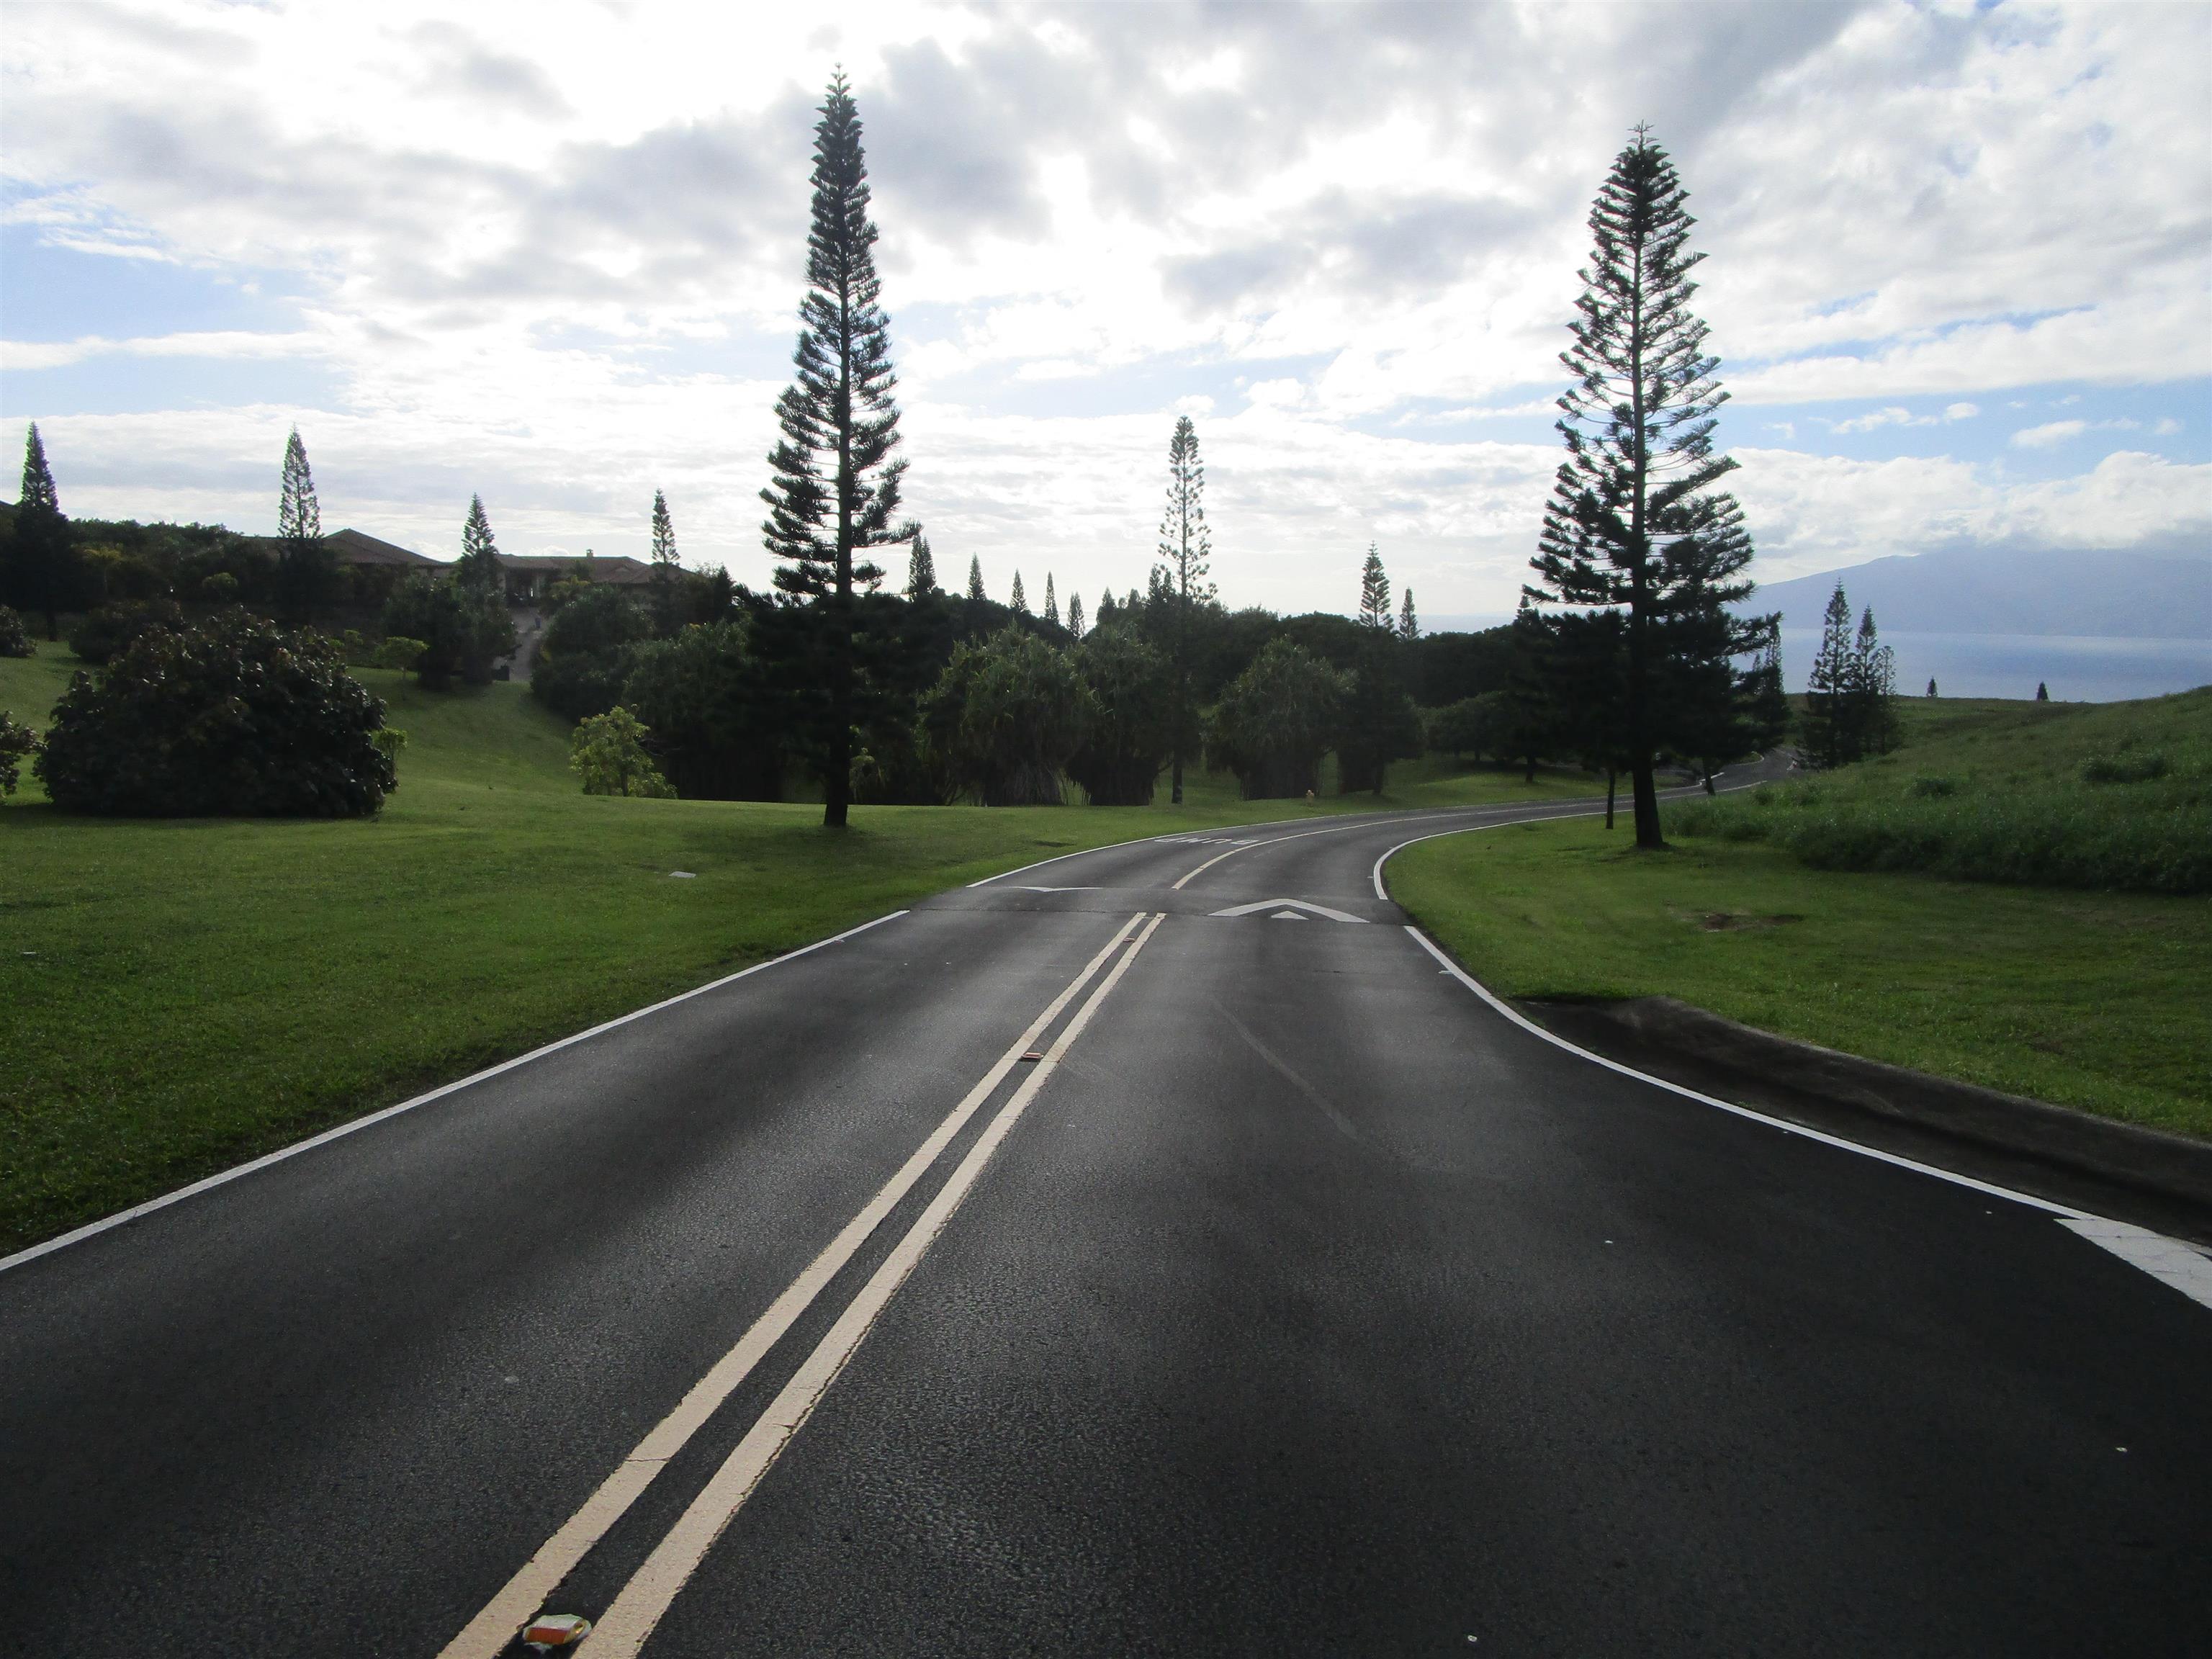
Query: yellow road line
point(646, 1597)
point(489, 1633)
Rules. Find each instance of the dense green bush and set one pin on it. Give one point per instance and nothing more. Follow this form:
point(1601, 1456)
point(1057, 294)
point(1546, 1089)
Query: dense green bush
point(588, 651)
point(16, 741)
point(463, 632)
point(13, 642)
point(1005, 719)
point(230, 718)
point(1275, 720)
point(1125, 743)
point(107, 633)
point(703, 695)
point(608, 753)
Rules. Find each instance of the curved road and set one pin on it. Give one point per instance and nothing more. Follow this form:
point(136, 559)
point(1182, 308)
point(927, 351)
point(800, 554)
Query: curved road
point(1292, 1300)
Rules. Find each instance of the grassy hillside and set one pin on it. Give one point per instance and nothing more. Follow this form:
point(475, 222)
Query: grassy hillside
point(2089, 795)
point(2085, 998)
point(175, 996)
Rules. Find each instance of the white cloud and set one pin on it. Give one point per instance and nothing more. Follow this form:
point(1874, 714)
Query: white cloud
point(223, 342)
point(553, 255)
point(2049, 432)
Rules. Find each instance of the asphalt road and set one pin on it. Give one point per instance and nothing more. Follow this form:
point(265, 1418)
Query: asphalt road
point(1294, 1302)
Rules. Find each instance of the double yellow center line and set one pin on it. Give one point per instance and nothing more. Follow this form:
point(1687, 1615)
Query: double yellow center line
point(642, 1602)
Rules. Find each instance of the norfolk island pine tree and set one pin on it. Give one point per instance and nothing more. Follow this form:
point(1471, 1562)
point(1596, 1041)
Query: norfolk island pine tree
point(40, 578)
point(1635, 523)
point(834, 495)
point(304, 565)
point(1185, 548)
point(665, 570)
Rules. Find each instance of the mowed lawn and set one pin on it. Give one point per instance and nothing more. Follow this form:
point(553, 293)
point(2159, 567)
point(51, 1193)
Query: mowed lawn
point(176, 996)
point(2093, 1000)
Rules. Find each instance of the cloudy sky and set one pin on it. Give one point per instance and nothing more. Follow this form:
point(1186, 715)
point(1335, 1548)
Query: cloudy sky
point(1958, 265)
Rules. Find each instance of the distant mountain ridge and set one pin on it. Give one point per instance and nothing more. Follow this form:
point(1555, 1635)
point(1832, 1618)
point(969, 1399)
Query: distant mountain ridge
point(2105, 595)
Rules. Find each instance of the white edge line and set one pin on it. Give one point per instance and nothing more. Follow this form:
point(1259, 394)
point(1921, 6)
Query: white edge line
point(1438, 835)
point(2171, 1260)
point(353, 1125)
point(1347, 821)
point(2063, 1212)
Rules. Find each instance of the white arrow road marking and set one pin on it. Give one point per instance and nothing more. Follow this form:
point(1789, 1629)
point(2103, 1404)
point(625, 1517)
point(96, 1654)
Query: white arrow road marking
point(1287, 916)
point(1060, 889)
point(1276, 907)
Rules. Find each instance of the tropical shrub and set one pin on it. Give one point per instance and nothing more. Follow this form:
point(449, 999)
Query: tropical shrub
point(462, 631)
point(1275, 720)
point(608, 753)
point(705, 697)
point(107, 632)
point(1006, 717)
point(232, 717)
point(588, 651)
point(16, 741)
point(1125, 743)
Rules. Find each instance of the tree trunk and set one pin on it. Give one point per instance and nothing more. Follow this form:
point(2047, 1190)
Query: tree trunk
point(1612, 778)
point(1648, 838)
point(837, 776)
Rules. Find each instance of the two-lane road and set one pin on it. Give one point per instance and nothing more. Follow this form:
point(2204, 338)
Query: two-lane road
point(1289, 1300)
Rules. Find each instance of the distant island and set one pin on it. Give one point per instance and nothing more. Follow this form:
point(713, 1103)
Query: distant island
point(2100, 595)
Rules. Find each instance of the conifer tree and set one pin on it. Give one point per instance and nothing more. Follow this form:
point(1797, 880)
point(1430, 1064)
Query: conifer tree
point(1051, 605)
point(1829, 707)
point(666, 595)
point(2042, 692)
point(1874, 688)
point(487, 630)
point(1075, 614)
point(305, 567)
point(1931, 685)
point(1636, 522)
point(1186, 549)
point(1409, 625)
point(1373, 592)
point(42, 574)
point(920, 570)
point(836, 493)
point(1019, 601)
point(975, 577)
point(478, 570)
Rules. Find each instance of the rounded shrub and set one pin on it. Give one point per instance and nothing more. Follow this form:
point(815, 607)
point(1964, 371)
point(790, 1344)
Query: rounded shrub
point(107, 633)
point(13, 642)
point(231, 718)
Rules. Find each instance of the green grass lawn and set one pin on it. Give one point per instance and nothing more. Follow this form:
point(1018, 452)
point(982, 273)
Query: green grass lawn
point(2088, 795)
point(2093, 1000)
point(176, 996)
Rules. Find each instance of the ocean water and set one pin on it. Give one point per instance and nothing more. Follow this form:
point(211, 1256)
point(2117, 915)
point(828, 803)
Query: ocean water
point(2077, 668)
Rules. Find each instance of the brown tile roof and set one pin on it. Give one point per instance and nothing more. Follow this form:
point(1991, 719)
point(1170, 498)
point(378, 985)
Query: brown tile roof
point(619, 569)
point(352, 546)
